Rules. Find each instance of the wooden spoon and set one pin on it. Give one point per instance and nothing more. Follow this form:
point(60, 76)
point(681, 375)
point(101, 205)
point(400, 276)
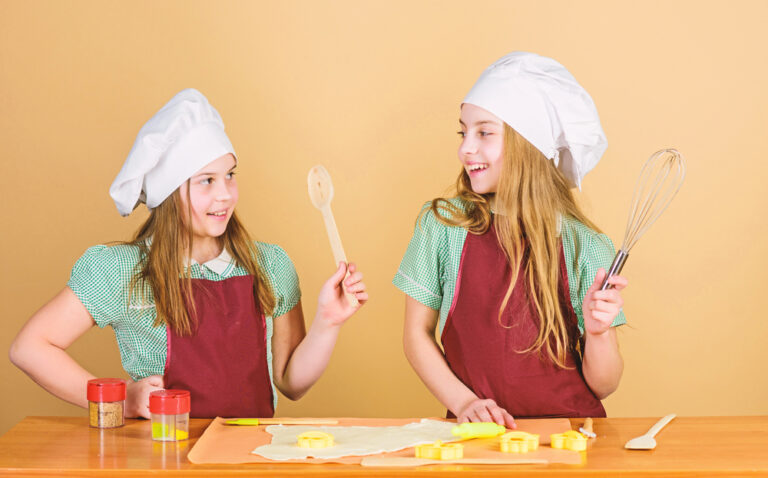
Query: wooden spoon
point(320, 189)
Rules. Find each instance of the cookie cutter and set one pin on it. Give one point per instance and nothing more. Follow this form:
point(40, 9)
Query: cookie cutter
point(570, 440)
point(440, 451)
point(519, 442)
point(315, 439)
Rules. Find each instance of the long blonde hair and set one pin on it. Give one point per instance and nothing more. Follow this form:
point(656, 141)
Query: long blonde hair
point(162, 270)
point(531, 195)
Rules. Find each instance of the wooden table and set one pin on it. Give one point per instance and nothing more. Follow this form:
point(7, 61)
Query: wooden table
point(704, 446)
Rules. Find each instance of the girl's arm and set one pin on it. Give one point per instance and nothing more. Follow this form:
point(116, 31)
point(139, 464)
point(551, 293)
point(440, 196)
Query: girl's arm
point(299, 358)
point(39, 348)
point(40, 351)
point(602, 363)
point(428, 361)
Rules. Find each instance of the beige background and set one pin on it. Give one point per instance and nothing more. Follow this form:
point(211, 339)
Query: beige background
point(371, 90)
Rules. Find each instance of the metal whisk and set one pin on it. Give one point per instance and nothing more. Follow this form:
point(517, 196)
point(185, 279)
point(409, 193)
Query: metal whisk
point(660, 179)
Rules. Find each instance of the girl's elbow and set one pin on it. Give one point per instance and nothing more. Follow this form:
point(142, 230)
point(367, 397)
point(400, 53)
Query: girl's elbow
point(19, 353)
point(292, 395)
point(289, 392)
point(605, 392)
point(605, 389)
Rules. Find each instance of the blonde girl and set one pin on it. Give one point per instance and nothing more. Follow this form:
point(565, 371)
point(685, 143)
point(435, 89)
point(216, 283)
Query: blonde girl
point(195, 303)
point(509, 269)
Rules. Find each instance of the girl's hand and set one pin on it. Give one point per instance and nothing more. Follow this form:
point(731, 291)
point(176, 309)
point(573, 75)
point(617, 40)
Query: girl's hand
point(600, 307)
point(137, 395)
point(485, 410)
point(332, 303)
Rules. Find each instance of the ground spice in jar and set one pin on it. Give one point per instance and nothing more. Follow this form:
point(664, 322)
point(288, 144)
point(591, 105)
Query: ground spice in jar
point(106, 402)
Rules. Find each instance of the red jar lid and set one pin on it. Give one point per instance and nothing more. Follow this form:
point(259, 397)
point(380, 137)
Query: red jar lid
point(169, 402)
point(106, 390)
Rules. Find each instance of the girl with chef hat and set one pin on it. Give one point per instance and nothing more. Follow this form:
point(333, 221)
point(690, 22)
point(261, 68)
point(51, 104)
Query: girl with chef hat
point(194, 302)
point(509, 269)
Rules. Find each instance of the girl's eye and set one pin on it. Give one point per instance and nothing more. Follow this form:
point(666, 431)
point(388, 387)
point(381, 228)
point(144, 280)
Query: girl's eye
point(205, 181)
point(485, 133)
point(461, 133)
point(230, 175)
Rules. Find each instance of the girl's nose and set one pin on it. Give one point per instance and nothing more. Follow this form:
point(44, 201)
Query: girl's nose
point(467, 146)
point(222, 191)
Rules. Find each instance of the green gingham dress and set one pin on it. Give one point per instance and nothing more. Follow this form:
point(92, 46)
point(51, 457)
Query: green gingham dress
point(430, 267)
point(101, 278)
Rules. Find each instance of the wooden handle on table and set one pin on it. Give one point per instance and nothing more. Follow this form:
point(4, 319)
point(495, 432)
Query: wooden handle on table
point(412, 461)
point(280, 421)
point(660, 424)
point(297, 421)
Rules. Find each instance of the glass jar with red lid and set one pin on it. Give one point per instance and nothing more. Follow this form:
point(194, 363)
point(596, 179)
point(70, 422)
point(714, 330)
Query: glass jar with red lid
point(106, 402)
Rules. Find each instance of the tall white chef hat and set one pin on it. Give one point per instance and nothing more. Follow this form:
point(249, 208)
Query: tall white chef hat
point(185, 135)
point(542, 101)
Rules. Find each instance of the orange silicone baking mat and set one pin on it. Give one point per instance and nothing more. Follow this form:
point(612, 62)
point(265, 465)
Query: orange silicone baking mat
point(226, 444)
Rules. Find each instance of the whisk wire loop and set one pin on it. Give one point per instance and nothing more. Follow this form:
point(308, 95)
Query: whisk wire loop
point(660, 179)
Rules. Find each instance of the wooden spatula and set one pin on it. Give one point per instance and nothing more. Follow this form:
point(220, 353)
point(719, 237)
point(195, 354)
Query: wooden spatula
point(647, 442)
point(320, 193)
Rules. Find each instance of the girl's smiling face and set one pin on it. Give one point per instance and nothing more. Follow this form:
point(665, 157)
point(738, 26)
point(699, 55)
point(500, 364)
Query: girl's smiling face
point(481, 148)
point(212, 198)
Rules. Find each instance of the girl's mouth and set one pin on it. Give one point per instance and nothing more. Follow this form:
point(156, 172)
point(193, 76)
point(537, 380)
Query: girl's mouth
point(218, 214)
point(475, 169)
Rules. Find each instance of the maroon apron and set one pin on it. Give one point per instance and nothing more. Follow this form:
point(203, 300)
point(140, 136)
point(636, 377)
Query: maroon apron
point(486, 356)
point(224, 362)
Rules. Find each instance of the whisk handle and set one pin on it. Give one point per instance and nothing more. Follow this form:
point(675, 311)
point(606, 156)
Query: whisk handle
point(616, 266)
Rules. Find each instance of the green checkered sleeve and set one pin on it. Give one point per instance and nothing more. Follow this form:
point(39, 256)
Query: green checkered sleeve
point(585, 252)
point(98, 280)
point(422, 270)
point(282, 276)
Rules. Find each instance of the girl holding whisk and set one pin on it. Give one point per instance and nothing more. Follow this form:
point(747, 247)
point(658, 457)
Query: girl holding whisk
point(510, 268)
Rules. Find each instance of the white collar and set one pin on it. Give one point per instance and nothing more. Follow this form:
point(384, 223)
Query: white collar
point(218, 264)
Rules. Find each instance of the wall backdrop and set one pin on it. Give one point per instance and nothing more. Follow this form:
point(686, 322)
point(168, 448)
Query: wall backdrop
point(372, 91)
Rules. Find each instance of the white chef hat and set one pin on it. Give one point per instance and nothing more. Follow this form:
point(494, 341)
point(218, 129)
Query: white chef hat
point(185, 135)
point(542, 101)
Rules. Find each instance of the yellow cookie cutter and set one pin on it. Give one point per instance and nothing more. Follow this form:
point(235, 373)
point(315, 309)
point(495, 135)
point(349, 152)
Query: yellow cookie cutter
point(440, 451)
point(570, 440)
point(315, 439)
point(519, 442)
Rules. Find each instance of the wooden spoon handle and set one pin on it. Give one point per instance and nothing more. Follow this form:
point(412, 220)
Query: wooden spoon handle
point(333, 235)
point(336, 247)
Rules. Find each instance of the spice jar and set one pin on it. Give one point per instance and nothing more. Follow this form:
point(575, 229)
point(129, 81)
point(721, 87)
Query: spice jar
point(169, 411)
point(106, 402)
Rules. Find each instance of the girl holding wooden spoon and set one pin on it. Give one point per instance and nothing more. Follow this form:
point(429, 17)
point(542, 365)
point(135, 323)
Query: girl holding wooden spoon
point(509, 269)
point(194, 302)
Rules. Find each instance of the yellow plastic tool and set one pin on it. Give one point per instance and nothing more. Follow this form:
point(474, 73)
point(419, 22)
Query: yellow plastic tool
point(570, 440)
point(478, 430)
point(279, 421)
point(315, 439)
point(440, 451)
point(519, 442)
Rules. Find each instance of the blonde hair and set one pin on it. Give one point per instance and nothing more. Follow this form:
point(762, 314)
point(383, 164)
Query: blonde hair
point(162, 270)
point(531, 195)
